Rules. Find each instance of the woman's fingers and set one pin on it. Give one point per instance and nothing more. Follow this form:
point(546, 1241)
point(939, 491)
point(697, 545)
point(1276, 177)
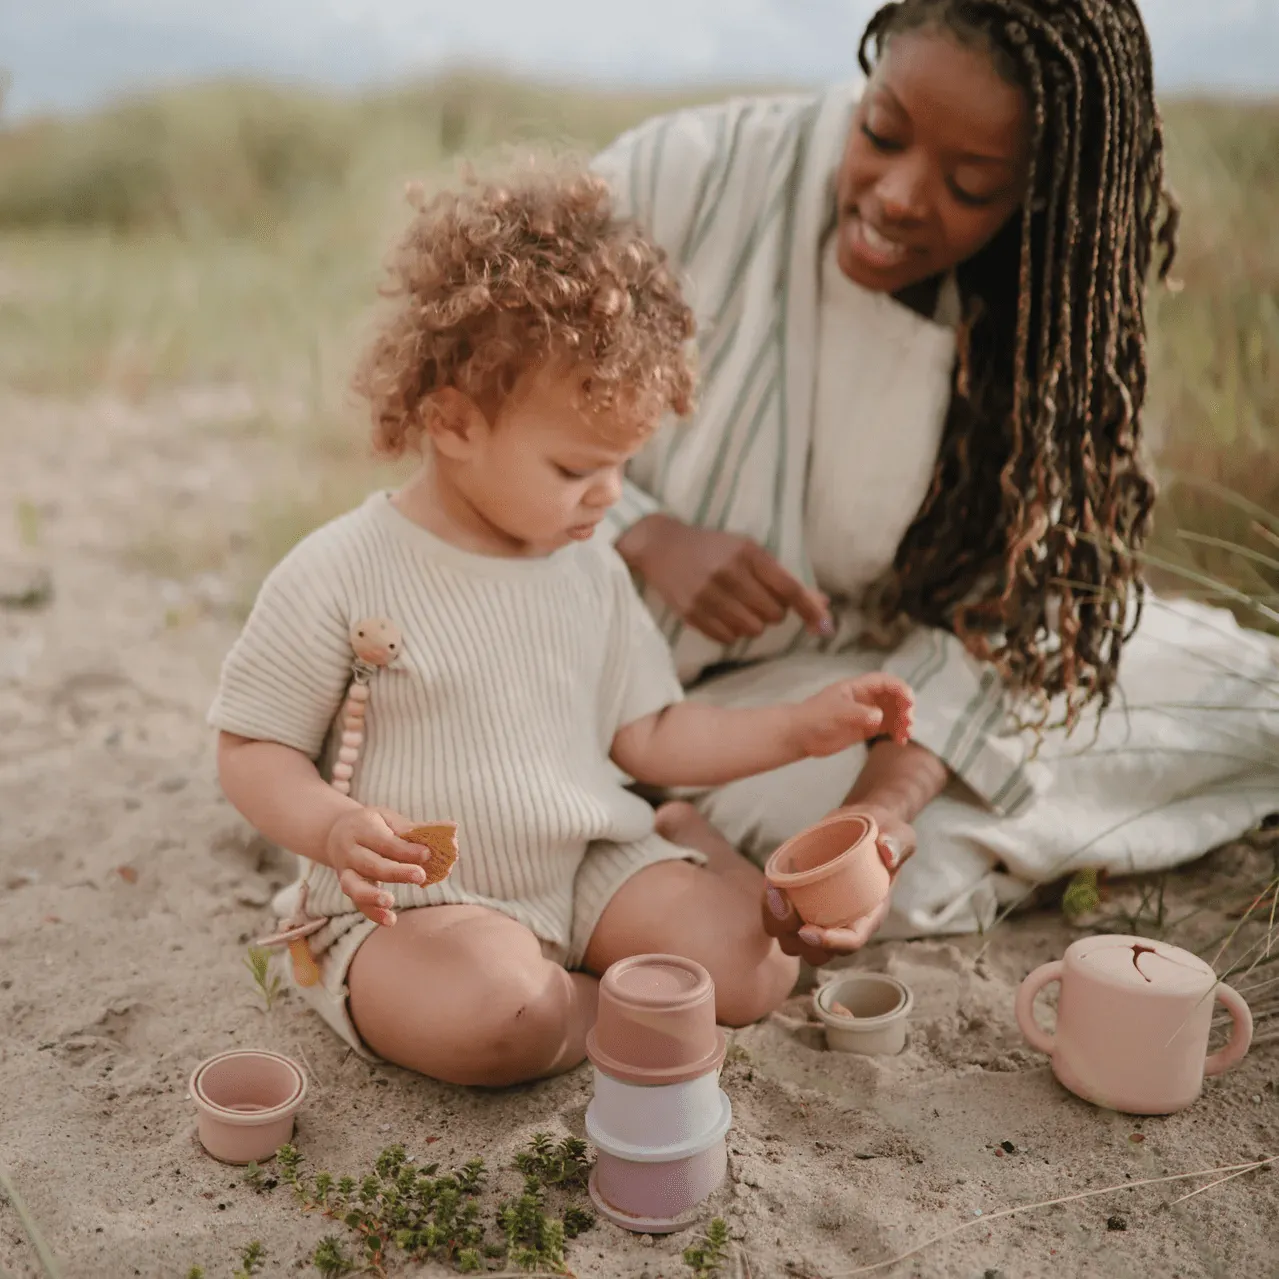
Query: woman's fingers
point(783, 922)
point(811, 605)
point(843, 941)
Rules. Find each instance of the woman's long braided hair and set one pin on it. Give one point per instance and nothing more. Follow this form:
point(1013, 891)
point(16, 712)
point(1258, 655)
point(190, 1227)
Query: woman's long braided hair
point(1026, 543)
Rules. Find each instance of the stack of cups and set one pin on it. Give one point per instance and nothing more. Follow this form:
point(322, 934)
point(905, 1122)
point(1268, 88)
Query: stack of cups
point(658, 1118)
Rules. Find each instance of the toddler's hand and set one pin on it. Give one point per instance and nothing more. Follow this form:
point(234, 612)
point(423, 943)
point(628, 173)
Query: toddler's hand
point(852, 711)
point(365, 851)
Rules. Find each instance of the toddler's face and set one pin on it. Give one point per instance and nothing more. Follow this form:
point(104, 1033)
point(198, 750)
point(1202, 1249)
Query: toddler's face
point(548, 468)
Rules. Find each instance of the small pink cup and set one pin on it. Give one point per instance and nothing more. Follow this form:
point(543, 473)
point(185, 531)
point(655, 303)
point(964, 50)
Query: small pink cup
point(247, 1102)
point(656, 1022)
point(832, 872)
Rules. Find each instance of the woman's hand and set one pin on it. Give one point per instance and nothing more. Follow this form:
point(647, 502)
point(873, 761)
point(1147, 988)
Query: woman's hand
point(817, 946)
point(722, 584)
point(364, 849)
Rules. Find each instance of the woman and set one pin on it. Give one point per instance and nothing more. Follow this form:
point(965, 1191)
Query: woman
point(923, 352)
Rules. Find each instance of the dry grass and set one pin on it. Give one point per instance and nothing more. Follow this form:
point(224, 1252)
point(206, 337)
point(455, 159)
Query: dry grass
point(234, 233)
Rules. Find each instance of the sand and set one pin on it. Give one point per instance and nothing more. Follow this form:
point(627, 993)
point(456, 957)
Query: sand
point(129, 888)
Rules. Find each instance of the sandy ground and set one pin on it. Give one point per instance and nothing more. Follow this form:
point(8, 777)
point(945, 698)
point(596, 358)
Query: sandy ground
point(128, 889)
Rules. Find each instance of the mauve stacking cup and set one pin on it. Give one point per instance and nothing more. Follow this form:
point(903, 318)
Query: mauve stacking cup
point(658, 1118)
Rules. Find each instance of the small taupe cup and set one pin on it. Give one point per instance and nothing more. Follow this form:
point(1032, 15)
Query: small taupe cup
point(246, 1101)
point(656, 1022)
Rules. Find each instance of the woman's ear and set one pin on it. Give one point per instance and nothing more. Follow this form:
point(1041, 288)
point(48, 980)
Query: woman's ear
point(453, 423)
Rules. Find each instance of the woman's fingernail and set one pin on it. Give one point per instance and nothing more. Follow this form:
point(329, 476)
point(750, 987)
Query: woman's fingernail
point(777, 904)
point(894, 847)
point(826, 626)
point(810, 936)
point(386, 901)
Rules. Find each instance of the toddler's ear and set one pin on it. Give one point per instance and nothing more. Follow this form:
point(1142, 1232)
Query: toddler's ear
point(453, 422)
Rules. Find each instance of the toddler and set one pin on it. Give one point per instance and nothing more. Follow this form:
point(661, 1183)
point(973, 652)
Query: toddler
point(532, 345)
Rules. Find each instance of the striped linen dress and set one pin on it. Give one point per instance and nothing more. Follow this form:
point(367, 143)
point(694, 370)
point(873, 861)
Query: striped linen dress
point(819, 416)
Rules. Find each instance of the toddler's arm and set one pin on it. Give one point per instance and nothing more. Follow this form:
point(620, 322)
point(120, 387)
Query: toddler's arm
point(280, 791)
point(693, 744)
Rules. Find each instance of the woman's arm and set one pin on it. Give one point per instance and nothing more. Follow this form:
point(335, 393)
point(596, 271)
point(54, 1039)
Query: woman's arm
point(897, 780)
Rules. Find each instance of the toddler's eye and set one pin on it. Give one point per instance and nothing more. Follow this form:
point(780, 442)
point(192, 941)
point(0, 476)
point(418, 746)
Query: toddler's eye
point(571, 475)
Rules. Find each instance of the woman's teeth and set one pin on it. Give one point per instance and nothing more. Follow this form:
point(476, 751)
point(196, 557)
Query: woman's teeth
point(888, 251)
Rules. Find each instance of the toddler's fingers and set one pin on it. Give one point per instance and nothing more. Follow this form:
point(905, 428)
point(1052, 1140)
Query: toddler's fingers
point(385, 843)
point(382, 870)
point(371, 899)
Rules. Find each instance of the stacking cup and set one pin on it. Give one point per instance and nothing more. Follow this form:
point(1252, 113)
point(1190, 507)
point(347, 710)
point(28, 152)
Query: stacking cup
point(656, 1022)
point(658, 1118)
point(246, 1103)
point(832, 872)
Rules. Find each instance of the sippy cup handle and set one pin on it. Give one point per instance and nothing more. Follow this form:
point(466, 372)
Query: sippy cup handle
point(1025, 1008)
point(1240, 1034)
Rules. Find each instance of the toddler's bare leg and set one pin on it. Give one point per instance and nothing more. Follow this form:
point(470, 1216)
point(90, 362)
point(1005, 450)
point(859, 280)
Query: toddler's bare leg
point(709, 914)
point(466, 996)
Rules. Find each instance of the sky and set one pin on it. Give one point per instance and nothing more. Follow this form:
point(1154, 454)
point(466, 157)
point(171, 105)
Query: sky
point(72, 54)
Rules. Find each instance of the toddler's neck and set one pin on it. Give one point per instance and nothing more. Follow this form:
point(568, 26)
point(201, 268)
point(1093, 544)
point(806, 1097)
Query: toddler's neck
point(430, 501)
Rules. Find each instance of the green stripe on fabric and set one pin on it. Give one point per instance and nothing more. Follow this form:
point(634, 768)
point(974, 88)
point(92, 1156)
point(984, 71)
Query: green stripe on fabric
point(983, 732)
point(769, 397)
point(709, 214)
point(655, 167)
point(1013, 791)
point(721, 123)
point(773, 541)
point(757, 364)
point(936, 658)
point(959, 732)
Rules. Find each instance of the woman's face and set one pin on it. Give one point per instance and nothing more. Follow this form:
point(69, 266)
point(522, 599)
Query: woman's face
point(936, 162)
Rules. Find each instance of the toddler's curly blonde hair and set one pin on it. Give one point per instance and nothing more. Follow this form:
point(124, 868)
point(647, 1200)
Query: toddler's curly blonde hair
point(500, 278)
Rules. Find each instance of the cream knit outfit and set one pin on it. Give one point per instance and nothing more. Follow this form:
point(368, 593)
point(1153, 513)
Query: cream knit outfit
point(499, 714)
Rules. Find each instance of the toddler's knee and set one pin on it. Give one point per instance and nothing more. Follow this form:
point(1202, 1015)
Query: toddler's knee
point(752, 984)
point(514, 1035)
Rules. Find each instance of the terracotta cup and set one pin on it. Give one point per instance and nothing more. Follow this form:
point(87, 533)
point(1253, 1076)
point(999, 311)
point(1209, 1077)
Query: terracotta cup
point(878, 1009)
point(656, 1022)
point(246, 1103)
point(657, 1191)
point(832, 872)
point(1133, 1020)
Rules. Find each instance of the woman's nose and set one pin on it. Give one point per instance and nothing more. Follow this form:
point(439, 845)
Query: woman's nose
point(903, 191)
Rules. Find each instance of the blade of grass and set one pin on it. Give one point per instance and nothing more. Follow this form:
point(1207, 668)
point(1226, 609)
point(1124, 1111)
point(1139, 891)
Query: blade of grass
point(1227, 495)
point(1224, 544)
point(47, 1260)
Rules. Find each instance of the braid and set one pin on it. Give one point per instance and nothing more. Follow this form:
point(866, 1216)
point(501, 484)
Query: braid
point(1026, 543)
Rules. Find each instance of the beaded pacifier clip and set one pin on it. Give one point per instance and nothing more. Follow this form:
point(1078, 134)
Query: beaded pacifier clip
point(376, 643)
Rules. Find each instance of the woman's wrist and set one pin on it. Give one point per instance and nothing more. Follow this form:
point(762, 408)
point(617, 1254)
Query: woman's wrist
point(635, 546)
point(899, 781)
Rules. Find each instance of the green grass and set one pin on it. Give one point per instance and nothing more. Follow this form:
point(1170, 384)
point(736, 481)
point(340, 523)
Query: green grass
point(235, 232)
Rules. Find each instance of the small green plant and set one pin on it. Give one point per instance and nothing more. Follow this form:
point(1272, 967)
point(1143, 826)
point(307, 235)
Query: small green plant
point(252, 1260)
point(330, 1258)
point(258, 962)
point(411, 1210)
point(1082, 895)
point(196, 1272)
point(565, 1164)
point(706, 1257)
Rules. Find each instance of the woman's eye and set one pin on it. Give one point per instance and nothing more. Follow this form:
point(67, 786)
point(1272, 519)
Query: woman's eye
point(878, 141)
point(967, 197)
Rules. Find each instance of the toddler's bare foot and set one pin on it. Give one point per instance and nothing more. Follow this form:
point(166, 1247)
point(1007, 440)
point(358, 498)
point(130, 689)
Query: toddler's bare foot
point(682, 824)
